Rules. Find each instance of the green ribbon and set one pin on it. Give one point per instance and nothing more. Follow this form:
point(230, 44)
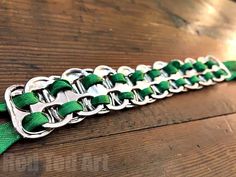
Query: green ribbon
point(3, 107)
point(8, 135)
point(231, 65)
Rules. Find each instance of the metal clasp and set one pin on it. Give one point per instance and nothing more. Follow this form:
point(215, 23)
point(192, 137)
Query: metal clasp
point(191, 73)
point(47, 101)
point(104, 71)
point(216, 67)
point(172, 78)
point(159, 65)
point(18, 115)
point(140, 85)
point(73, 76)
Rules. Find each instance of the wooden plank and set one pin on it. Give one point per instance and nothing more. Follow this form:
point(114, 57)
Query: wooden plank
point(208, 18)
point(199, 148)
point(66, 34)
point(45, 38)
point(34, 45)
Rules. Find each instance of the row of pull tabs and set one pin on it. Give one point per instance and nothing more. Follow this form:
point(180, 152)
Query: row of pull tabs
point(48, 104)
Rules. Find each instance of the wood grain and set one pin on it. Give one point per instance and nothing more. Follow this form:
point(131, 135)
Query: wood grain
point(43, 38)
point(200, 148)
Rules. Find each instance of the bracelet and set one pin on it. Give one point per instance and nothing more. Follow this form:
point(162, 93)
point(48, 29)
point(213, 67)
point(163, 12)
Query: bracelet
point(46, 103)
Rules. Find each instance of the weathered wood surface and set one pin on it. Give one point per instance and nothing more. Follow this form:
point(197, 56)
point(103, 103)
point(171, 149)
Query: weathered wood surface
point(199, 148)
point(43, 38)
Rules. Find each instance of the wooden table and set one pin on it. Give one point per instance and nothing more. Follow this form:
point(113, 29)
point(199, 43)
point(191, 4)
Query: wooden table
point(190, 134)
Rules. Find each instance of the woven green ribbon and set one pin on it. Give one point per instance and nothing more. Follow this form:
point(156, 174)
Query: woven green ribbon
point(8, 134)
point(231, 65)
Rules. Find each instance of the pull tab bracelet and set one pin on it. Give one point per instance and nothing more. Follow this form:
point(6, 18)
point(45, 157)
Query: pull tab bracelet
point(46, 103)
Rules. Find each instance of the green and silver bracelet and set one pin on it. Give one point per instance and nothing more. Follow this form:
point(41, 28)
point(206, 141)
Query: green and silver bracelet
point(46, 103)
